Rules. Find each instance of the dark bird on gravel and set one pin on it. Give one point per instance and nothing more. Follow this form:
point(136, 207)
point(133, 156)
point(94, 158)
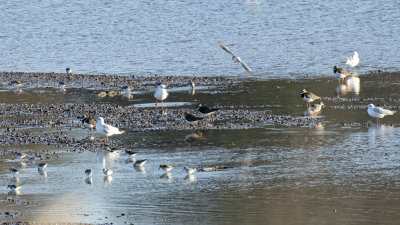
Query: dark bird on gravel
point(205, 109)
point(308, 97)
point(16, 83)
point(190, 118)
point(342, 72)
point(235, 58)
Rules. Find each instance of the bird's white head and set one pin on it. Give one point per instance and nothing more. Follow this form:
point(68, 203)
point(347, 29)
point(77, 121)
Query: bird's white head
point(100, 120)
point(370, 105)
point(356, 54)
point(162, 86)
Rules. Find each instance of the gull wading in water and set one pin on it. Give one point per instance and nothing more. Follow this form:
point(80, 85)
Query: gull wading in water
point(378, 112)
point(353, 61)
point(236, 58)
point(161, 93)
point(106, 129)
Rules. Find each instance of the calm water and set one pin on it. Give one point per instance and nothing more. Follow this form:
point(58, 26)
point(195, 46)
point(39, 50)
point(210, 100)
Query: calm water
point(275, 38)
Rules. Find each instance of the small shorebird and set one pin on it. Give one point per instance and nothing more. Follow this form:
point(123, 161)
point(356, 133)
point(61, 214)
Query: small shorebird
point(89, 122)
point(166, 167)
point(14, 187)
point(190, 118)
point(61, 85)
point(14, 170)
point(107, 171)
point(106, 129)
point(140, 163)
point(353, 61)
point(16, 83)
point(88, 172)
point(161, 93)
point(205, 110)
point(21, 155)
point(42, 166)
point(68, 71)
point(342, 73)
point(236, 58)
point(126, 90)
point(189, 170)
point(130, 153)
point(378, 112)
point(308, 97)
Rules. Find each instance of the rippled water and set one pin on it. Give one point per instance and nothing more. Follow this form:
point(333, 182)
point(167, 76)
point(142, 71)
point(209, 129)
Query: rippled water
point(275, 38)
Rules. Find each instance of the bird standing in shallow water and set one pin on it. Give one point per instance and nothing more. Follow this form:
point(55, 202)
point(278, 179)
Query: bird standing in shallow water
point(166, 167)
point(161, 94)
point(236, 58)
point(189, 170)
point(308, 97)
point(88, 172)
point(353, 61)
point(106, 129)
point(107, 171)
point(42, 166)
point(378, 112)
point(140, 163)
point(342, 73)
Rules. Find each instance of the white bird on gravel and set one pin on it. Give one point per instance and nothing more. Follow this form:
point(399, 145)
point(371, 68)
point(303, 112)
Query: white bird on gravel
point(353, 60)
point(378, 112)
point(106, 129)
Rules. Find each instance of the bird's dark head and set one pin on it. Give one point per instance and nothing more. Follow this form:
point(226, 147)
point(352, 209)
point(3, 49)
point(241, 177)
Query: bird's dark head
point(336, 69)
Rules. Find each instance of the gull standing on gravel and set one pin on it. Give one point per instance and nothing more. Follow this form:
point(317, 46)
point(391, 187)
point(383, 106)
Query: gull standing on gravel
point(236, 58)
point(106, 129)
point(353, 61)
point(378, 112)
point(308, 97)
point(161, 93)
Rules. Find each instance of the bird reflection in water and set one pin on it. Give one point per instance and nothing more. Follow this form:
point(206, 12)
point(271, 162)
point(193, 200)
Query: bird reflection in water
point(192, 88)
point(42, 172)
point(314, 110)
point(193, 137)
point(108, 179)
point(167, 176)
point(351, 84)
point(190, 177)
point(89, 180)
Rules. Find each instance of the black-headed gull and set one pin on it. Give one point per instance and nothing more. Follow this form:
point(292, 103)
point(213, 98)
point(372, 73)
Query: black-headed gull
point(378, 112)
point(106, 129)
point(308, 96)
point(236, 58)
point(353, 60)
point(161, 93)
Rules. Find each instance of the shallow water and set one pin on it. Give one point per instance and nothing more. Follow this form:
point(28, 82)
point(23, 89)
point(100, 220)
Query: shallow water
point(339, 173)
point(275, 38)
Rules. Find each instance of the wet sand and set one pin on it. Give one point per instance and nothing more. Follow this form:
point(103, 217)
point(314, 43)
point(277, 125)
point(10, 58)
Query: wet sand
point(41, 120)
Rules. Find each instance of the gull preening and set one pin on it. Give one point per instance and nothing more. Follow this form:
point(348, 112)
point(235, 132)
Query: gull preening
point(378, 112)
point(308, 96)
point(106, 129)
point(236, 58)
point(353, 61)
point(161, 93)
